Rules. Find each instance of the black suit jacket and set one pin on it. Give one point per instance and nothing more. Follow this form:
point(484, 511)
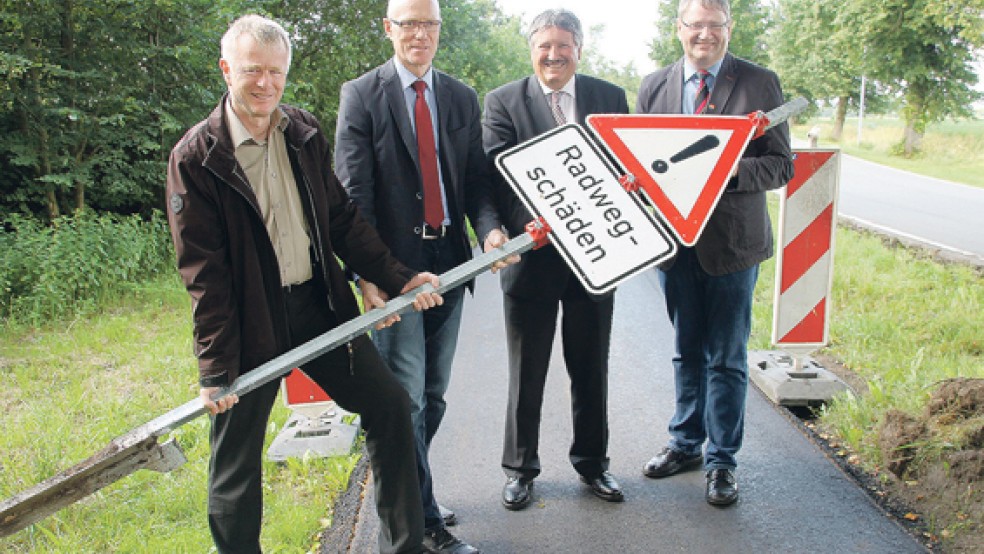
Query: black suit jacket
point(515, 113)
point(738, 234)
point(376, 160)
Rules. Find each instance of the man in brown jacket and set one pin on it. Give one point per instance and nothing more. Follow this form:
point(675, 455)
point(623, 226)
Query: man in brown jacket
point(258, 218)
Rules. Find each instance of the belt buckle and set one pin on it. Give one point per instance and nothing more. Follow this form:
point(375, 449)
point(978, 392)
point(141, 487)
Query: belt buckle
point(430, 233)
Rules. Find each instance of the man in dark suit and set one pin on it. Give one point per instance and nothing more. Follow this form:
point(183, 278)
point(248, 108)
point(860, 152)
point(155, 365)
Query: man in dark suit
point(540, 283)
point(408, 149)
point(708, 288)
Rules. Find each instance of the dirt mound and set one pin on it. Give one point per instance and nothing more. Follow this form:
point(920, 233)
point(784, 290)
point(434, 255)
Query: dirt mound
point(937, 461)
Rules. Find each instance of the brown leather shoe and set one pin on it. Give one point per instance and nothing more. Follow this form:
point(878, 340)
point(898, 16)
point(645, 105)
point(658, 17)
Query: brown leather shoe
point(669, 462)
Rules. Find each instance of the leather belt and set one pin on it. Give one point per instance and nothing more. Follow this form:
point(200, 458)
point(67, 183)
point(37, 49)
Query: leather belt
point(294, 287)
point(431, 233)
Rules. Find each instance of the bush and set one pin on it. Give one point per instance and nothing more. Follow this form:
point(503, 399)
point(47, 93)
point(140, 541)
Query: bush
point(74, 264)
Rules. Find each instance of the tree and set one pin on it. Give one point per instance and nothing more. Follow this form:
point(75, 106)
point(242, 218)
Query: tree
point(748, 38)
point(595, 63)
point(923, 50)
point(816, 57)
point(94, 95)
point(338, 40)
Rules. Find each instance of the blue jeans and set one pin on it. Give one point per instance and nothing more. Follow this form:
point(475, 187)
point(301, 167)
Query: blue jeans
point(712, 316)
point(420, 351)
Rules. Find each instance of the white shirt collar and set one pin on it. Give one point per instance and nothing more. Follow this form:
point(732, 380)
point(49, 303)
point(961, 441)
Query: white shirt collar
point(689, 71)
point(407, 78)
point(568, 88)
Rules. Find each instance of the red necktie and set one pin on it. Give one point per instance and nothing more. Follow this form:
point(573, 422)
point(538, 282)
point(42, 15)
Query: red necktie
point(427, 153)
point(703, 93)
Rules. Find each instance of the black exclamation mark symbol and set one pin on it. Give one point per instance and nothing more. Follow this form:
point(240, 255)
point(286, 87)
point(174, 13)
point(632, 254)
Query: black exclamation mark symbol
point(699, 147)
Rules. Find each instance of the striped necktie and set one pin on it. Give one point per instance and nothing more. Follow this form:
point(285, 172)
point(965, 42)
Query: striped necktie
point(703, 93)
point(558, 114)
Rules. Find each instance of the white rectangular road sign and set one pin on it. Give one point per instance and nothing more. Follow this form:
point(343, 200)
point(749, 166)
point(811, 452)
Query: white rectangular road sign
point(604, 233)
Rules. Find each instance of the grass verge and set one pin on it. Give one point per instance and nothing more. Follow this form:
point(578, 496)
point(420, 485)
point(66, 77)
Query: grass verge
point(70, 388)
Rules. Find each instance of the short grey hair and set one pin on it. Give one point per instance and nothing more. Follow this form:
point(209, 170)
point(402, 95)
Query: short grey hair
point(265, 31)
point(560, 18)
point(720, 5)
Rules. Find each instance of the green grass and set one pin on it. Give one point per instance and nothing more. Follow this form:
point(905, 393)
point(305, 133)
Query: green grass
point(901, 321)
point(73, 386)
point(951, 150)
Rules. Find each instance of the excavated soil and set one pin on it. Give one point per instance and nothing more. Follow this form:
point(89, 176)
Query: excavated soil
point(932, 479)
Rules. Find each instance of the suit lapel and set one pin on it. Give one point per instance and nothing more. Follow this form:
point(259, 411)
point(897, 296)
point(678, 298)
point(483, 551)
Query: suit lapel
point(724, 85)
point(673, 99)
point(446, 146)
point(583, 99)
point(393, 92)
point(536, 104)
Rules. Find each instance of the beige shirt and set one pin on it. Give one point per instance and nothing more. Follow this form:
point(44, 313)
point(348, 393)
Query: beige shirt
point(269, 173)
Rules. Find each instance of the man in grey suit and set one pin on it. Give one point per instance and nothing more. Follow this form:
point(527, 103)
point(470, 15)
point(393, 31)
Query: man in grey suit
point(541, 283)
point(408, 149)
point(708, 288)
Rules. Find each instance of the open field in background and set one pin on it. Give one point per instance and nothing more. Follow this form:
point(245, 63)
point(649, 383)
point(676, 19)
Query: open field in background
point(951, 150)
point(73, 386)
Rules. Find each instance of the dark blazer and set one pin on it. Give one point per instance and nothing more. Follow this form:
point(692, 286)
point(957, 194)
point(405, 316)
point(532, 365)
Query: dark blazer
point(376, 160)
point(738, 234)
point(517, 112)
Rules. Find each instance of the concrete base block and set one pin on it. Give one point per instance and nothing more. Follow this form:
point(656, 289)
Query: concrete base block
point(790, 381)
point(331, 433)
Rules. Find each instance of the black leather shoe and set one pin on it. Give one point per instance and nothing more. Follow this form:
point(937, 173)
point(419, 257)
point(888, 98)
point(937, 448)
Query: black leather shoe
point(449, 517)
point(518, 493)
point(669, 462)
point(605, 487)
point(722, 487)
point(441, 541)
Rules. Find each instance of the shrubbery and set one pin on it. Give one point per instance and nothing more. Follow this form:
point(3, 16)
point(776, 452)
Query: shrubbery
point(77, 262)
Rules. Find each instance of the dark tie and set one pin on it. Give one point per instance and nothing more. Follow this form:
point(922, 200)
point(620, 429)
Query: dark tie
point(703, 93)
point(427, 152)
point(558, 114)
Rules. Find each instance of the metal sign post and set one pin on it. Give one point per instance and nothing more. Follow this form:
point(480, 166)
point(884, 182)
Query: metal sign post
point(139, 449)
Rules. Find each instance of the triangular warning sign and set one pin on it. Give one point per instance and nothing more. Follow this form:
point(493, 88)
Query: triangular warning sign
point(681, 162)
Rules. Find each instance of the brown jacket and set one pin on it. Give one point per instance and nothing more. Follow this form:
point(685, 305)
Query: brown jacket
point(225, 256)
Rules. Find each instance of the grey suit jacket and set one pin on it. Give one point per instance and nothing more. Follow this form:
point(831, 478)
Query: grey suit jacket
point(376, 160)
point(738, 234)
point(514, 113)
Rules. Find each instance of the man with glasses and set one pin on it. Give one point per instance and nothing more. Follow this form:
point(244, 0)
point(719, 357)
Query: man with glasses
point(708, 288)
point(408, 148)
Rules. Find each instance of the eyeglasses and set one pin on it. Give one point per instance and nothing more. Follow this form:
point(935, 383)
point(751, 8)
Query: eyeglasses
point(427, 25)
point(700, 26)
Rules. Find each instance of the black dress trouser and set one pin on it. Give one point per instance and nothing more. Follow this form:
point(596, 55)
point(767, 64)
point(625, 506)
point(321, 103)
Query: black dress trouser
point(359, 381)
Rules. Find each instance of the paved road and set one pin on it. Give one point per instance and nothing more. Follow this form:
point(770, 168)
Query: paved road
point(939, 213)
point(793, 498)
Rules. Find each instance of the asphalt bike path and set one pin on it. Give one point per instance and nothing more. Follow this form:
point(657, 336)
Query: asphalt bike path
point(793, 498)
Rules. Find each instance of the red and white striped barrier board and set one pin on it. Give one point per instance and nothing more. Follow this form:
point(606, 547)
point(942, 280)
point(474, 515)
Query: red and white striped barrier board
point(805, 264)
point(299, 389)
